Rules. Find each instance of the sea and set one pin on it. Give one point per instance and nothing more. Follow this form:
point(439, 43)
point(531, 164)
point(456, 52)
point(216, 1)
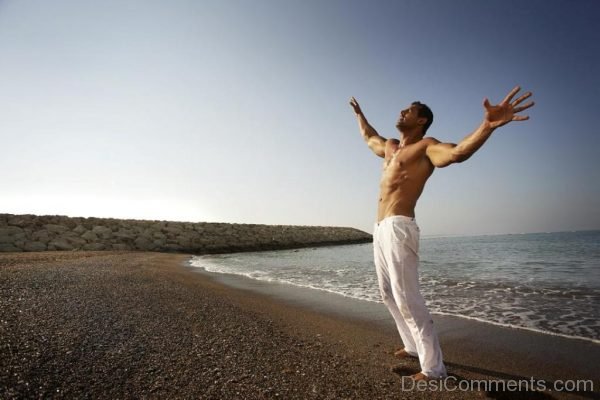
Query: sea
point(545, 282)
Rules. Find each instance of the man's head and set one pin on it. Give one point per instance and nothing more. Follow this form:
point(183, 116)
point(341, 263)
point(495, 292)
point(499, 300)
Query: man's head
point(417, 115)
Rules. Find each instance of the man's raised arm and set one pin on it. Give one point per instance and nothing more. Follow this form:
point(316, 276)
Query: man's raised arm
point(374, 141)
point(444, 154)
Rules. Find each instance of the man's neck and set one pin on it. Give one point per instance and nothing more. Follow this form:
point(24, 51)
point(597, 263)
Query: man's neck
point(410, 137)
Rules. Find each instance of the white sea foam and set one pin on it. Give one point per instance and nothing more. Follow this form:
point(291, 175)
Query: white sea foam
point(518, 327)
point(492, 279)
point(360, 295)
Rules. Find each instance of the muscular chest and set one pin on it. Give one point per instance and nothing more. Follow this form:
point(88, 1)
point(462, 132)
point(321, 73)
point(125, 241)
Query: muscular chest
point(405, 164)
point(398, 158)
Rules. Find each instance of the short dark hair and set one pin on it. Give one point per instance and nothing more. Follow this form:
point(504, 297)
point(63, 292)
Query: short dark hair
point(424, 112)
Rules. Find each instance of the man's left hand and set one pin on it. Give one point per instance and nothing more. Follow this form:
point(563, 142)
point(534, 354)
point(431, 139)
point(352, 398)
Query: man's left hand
point(505, 112)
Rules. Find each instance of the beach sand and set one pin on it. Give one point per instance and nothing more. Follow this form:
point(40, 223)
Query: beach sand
point(145, 325)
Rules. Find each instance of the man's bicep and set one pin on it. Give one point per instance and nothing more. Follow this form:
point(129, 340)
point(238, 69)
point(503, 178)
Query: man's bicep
point(441, 154)
point(377, 144)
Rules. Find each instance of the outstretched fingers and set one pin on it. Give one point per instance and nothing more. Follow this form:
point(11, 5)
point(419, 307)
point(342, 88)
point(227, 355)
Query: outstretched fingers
point(522, 98)
point(512, 94)
point(523, 107)
point(516, 108)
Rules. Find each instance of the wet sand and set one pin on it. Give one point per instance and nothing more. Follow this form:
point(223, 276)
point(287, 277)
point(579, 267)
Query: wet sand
point(131, 325)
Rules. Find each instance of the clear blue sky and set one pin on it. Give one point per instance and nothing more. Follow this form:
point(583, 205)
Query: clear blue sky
point(237, 111)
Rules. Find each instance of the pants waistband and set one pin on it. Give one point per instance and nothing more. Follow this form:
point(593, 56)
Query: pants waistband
point(395, 218)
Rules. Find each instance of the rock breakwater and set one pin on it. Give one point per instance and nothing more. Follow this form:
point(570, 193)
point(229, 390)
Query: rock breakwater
point(54, 232)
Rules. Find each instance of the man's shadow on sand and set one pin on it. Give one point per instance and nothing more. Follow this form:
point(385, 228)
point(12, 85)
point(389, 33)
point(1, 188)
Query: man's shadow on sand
point(406, 370)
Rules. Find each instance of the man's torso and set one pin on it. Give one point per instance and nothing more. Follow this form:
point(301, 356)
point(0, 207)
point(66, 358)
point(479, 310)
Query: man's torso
point(405, 171)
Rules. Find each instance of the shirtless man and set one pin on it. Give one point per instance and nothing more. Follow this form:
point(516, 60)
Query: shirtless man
point(408, 163)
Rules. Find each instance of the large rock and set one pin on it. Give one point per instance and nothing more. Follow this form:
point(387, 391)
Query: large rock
point(21, 220)
point(125, 235)
point(144, 243)
point(6, 239)
point(7, 247)
point(157, 226)
point(34, 246)
point(41, 236)
point(56, 228)
point(184, 241)
point(159, 235)
point(60, 244)
point(72, 238)
point(173, 230)
point(80, 229)
point(102, 231)
point(159, 243)
point(89, 236)
point(11, 231)
point(11, 234)
point(94, 246)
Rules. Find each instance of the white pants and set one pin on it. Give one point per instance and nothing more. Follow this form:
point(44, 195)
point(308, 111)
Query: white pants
point(396, 247)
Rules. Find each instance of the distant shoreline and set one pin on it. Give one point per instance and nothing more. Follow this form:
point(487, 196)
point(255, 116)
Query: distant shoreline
point(437, 236)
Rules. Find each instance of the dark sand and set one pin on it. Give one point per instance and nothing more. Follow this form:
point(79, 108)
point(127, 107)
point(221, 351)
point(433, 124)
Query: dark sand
point(142, 325)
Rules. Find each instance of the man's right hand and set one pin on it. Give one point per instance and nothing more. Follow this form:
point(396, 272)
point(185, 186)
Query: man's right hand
point(355, 106)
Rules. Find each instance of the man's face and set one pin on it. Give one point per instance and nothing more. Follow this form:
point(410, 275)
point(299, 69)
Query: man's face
point(409, 117)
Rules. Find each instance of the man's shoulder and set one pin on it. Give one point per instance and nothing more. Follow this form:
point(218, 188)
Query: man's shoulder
point(425, 142)
point(392, 144)
point(429, 140)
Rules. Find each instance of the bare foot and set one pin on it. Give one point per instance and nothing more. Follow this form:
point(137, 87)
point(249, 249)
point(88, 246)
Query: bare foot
point(402, 353)
point(420, 377)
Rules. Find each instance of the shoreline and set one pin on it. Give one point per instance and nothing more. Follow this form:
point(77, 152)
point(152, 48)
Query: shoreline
point(455, 332)
point(523, 328)
point(231, 281)
point(140, 324)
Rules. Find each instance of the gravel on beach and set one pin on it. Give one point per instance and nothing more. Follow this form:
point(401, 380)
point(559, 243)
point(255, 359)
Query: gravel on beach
point(141, 325)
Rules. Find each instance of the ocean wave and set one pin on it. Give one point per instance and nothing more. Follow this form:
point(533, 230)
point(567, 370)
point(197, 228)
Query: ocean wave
point(548, 283)
point(465, 304)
